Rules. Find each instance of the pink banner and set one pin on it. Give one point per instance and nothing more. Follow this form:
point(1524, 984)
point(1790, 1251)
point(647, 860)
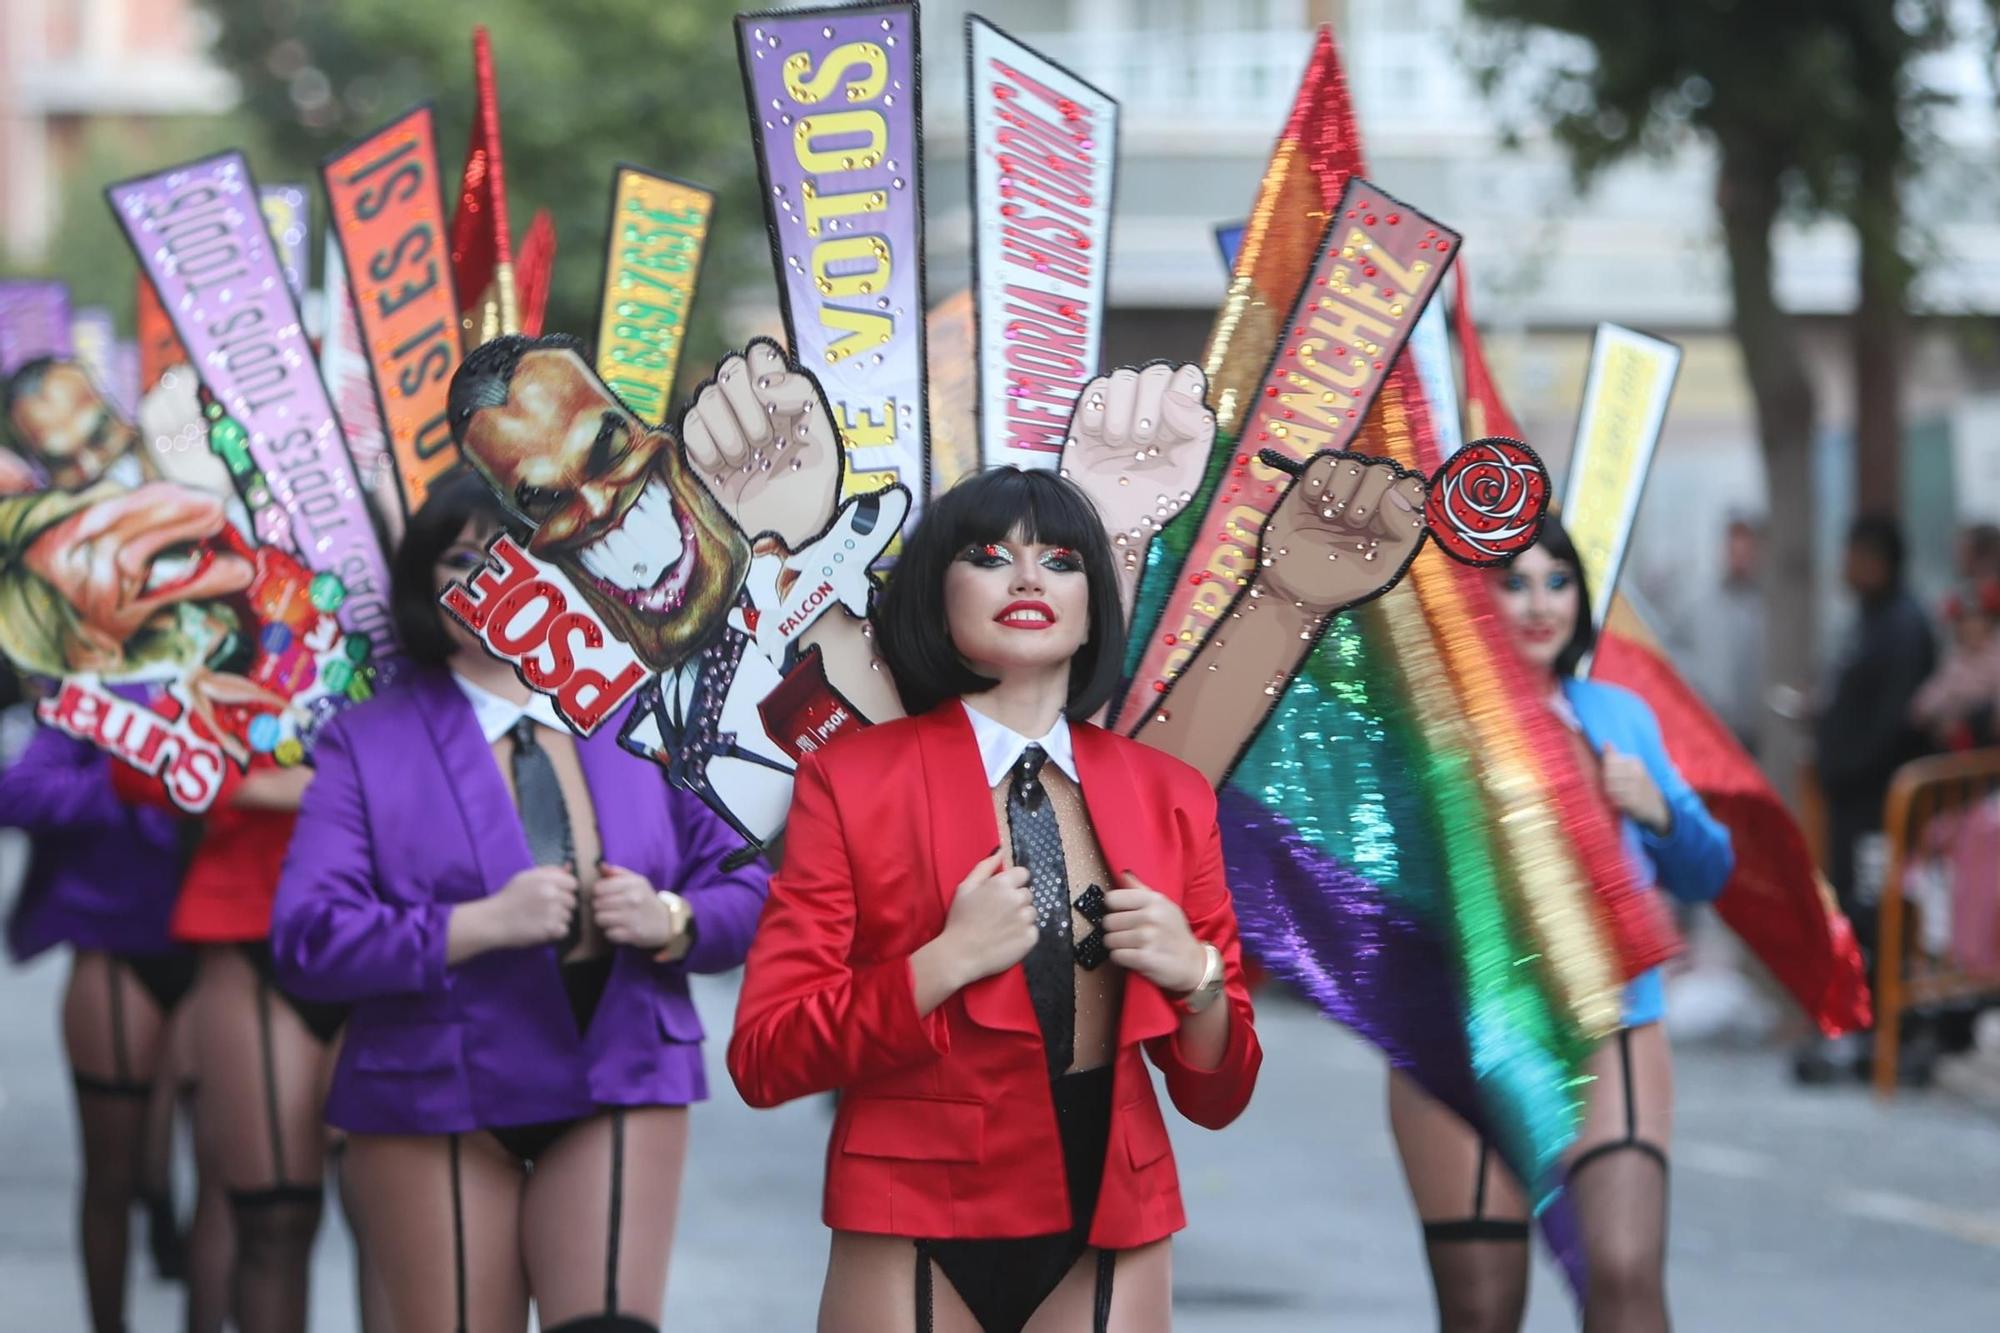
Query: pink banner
point(201, 238)
point(343, 366)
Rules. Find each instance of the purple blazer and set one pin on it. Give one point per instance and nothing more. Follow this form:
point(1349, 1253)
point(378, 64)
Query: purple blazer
point(103, 874)
point(407, 816)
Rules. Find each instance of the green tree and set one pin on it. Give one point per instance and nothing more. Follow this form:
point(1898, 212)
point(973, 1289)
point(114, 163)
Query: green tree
point(584, 85)
point(88, 250)
point(1810, 109)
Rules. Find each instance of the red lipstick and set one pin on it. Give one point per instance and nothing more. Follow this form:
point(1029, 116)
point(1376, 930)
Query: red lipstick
point(1026, 615)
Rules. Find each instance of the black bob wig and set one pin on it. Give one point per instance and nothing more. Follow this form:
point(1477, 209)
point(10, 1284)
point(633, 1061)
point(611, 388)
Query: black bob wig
point(456, 498)
point(1556, 542)
point(997, 505)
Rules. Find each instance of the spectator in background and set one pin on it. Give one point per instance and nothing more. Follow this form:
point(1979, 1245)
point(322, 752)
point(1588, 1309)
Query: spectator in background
point(1863, 733)
point(1956, 708)
point(1714, 632)
point(1730, 664)
point(1976, 553)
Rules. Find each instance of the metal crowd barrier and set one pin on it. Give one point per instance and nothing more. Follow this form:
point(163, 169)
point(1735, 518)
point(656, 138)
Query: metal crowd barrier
point(1907, 975)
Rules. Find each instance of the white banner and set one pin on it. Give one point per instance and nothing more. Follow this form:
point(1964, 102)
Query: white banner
point(1044, 156)
point(1430, 351)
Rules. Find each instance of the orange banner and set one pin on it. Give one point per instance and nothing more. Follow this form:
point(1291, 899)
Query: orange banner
point(388, 216)
point(159, 346)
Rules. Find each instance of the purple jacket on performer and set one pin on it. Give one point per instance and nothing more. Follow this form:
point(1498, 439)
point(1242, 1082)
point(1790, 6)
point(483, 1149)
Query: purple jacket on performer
point(408, 815)
point(103, 875)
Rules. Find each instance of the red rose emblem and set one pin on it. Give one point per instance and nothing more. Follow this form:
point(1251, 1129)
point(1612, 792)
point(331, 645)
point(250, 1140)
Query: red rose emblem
point(1487, 501)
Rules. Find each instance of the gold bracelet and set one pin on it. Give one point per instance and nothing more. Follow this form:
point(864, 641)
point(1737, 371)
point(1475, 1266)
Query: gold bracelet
point(1209, 987)
point(680, 914)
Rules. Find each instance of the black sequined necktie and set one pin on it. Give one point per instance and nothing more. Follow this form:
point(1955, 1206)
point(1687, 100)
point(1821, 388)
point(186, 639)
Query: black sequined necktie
point(544, 814)
point(1038, 845)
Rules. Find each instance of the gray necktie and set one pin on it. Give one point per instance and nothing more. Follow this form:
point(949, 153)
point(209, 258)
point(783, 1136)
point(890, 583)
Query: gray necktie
point(1037, 840)
point(544, 814)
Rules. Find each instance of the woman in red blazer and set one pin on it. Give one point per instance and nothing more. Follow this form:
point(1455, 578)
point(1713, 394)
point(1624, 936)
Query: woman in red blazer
point(998, 1135)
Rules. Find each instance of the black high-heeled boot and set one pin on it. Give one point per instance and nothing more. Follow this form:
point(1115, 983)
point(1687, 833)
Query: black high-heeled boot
point(165, 1238)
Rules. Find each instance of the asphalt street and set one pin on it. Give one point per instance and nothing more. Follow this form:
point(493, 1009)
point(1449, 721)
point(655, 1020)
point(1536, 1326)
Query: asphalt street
point(1792, 1209)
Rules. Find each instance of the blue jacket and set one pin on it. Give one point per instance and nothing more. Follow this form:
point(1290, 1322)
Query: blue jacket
point(1692, 860)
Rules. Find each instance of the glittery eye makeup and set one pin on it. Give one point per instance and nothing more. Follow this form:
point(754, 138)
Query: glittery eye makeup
point(1062, 560)
point(987, 555)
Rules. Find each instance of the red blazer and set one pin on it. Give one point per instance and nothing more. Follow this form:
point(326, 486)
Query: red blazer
point(945, 1127)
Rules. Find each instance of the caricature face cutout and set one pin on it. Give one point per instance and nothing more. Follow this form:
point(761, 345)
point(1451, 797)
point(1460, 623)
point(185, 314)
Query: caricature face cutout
point(613, 506)
point(147, 575)
point(1017, 607)
point(63, 423)
point(1538, 602)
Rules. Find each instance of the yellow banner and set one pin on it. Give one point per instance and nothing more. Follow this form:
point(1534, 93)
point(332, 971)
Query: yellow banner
point(1624, 408)
point(658, 229)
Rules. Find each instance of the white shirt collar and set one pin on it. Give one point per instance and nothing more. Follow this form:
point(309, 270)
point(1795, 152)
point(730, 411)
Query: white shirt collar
point(1000, 746)
point(497, 716)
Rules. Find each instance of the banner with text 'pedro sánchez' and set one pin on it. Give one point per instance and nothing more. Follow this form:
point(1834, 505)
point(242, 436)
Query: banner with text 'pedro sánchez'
point(1378, 266)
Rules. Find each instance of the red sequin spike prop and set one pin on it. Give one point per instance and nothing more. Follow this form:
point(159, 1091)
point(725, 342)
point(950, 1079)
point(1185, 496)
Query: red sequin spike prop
point(1775, 901)
point(1486, 413)
point(536, 271)
point(1319, 149)
point(482, 258)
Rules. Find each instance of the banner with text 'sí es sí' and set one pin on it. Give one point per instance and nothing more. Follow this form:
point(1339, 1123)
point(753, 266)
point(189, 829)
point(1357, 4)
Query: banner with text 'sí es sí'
point(659, 231)
point(201, 239)
point(385, 197)
point(1624, 409)
point(1044, 156)
point(835, 109)
point(1379, 264)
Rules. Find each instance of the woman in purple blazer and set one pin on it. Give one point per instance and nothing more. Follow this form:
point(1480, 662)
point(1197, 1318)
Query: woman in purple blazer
point(513, 914)
point(102, 878)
